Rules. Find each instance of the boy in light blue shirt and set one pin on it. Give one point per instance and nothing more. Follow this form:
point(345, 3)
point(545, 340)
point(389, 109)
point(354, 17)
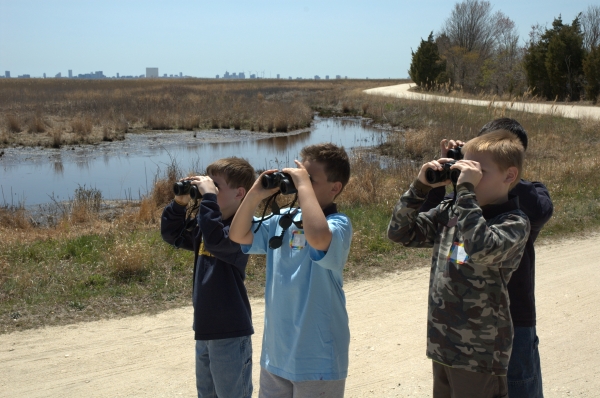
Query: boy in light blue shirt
point(306, 333)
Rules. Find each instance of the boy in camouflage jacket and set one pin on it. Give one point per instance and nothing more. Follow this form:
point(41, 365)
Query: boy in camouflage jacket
point(478, 241)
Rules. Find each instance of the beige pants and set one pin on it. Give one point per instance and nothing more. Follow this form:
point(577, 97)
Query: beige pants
point(272, 386)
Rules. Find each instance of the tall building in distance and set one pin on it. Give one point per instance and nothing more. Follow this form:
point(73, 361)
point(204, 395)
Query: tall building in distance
point(7, 74)
point(91, 75)
point(152, 72)
point(228, 75)
point(70, 73)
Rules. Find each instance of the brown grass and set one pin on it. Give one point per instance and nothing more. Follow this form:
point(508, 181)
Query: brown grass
point(128, 260)
point(12, 217)
point(75, 107)
point(13, 123)
point(82, 126)
point(56, 138)
point(36, 124)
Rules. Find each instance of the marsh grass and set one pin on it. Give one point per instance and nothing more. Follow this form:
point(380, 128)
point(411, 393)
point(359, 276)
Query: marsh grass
point(117, 266)
point(79, 108)
point(13, 123)
point(36, 124)
point(56, 138)
point(82, 126)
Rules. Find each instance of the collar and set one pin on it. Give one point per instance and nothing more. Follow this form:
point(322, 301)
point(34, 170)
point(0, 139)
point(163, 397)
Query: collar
point(491, 211)
point(330, 209)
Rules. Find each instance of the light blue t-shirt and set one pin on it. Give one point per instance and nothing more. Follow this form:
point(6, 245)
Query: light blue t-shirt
point(306, 334)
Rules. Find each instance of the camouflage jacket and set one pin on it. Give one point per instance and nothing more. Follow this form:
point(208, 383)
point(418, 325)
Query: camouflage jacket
point(475, 251)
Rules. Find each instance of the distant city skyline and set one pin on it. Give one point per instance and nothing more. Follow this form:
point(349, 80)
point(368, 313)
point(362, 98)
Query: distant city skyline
point(153, 73)
point(349, 38)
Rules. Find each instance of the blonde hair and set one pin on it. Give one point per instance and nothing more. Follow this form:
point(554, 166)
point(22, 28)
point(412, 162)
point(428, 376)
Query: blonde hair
point(504, 147)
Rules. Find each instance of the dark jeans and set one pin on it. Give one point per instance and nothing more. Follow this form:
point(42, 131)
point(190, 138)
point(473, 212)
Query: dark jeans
point(524, 370)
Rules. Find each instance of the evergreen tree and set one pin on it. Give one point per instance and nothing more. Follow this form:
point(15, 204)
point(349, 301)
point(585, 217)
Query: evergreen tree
point(427, 68)
point(591, 69)
point(535, 63)
point(564, 61)
point(554, 61)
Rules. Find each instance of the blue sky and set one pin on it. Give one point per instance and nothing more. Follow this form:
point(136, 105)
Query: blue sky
point(351, 38)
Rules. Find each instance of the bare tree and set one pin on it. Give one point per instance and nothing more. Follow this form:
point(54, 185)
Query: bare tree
point(474, 36)
point(590, 24)
point(471, 26)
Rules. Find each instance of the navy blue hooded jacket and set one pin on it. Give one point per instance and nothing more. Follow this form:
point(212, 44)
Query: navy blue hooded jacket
point(535, 202)
point(221, 305)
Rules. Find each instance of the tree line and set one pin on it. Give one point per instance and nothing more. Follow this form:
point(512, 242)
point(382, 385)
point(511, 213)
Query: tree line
point(477, 50)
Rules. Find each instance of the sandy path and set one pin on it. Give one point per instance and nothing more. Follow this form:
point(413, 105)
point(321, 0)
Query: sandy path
point(570, 111)
point(152, 356)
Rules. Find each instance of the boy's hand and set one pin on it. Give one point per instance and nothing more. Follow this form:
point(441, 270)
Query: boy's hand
point(257, 191)
point(185, 199)
point(470, 171)
point(446, 145)
point(436, 165)
point(299, 175)
point(205, 184)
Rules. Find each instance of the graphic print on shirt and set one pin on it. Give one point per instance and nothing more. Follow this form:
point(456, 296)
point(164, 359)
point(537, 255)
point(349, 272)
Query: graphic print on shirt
point(457, 253)
point(297, 240)
point(203, 251)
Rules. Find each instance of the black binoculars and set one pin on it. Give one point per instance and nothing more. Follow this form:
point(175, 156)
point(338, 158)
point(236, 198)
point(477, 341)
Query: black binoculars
point(434, 176)
point(186, 187)
point(455, 153)
point(280, 180)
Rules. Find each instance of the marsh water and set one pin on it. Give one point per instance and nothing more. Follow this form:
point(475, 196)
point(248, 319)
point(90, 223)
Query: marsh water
point(127, 169)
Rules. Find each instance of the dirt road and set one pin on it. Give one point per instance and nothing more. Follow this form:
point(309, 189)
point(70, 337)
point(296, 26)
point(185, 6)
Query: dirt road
point(570, 111)
point(152, 356)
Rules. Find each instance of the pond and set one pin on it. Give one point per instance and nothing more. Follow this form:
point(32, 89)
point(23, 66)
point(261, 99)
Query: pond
point(127, 169)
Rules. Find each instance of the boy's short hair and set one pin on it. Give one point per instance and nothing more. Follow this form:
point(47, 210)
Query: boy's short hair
point(237, 172)
point(505, 123)
point(334, 158)
point(504, 147)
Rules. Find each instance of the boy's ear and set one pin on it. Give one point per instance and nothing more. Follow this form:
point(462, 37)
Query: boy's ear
point(241, 192)
point(511, 175)
point(336, 188)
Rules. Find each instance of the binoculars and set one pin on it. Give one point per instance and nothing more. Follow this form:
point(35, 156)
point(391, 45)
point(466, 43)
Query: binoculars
point(280, 180)
point(455, 153)
point(186, 187)
point(434, 176)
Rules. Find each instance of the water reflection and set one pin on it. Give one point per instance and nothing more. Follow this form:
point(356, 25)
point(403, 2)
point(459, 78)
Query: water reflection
point(59, 168)
point(126, 169)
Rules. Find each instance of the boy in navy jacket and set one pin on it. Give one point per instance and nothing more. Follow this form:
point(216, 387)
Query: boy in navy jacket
point(222, 315)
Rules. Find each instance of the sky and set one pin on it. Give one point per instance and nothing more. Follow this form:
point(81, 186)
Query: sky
point(298, 38)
